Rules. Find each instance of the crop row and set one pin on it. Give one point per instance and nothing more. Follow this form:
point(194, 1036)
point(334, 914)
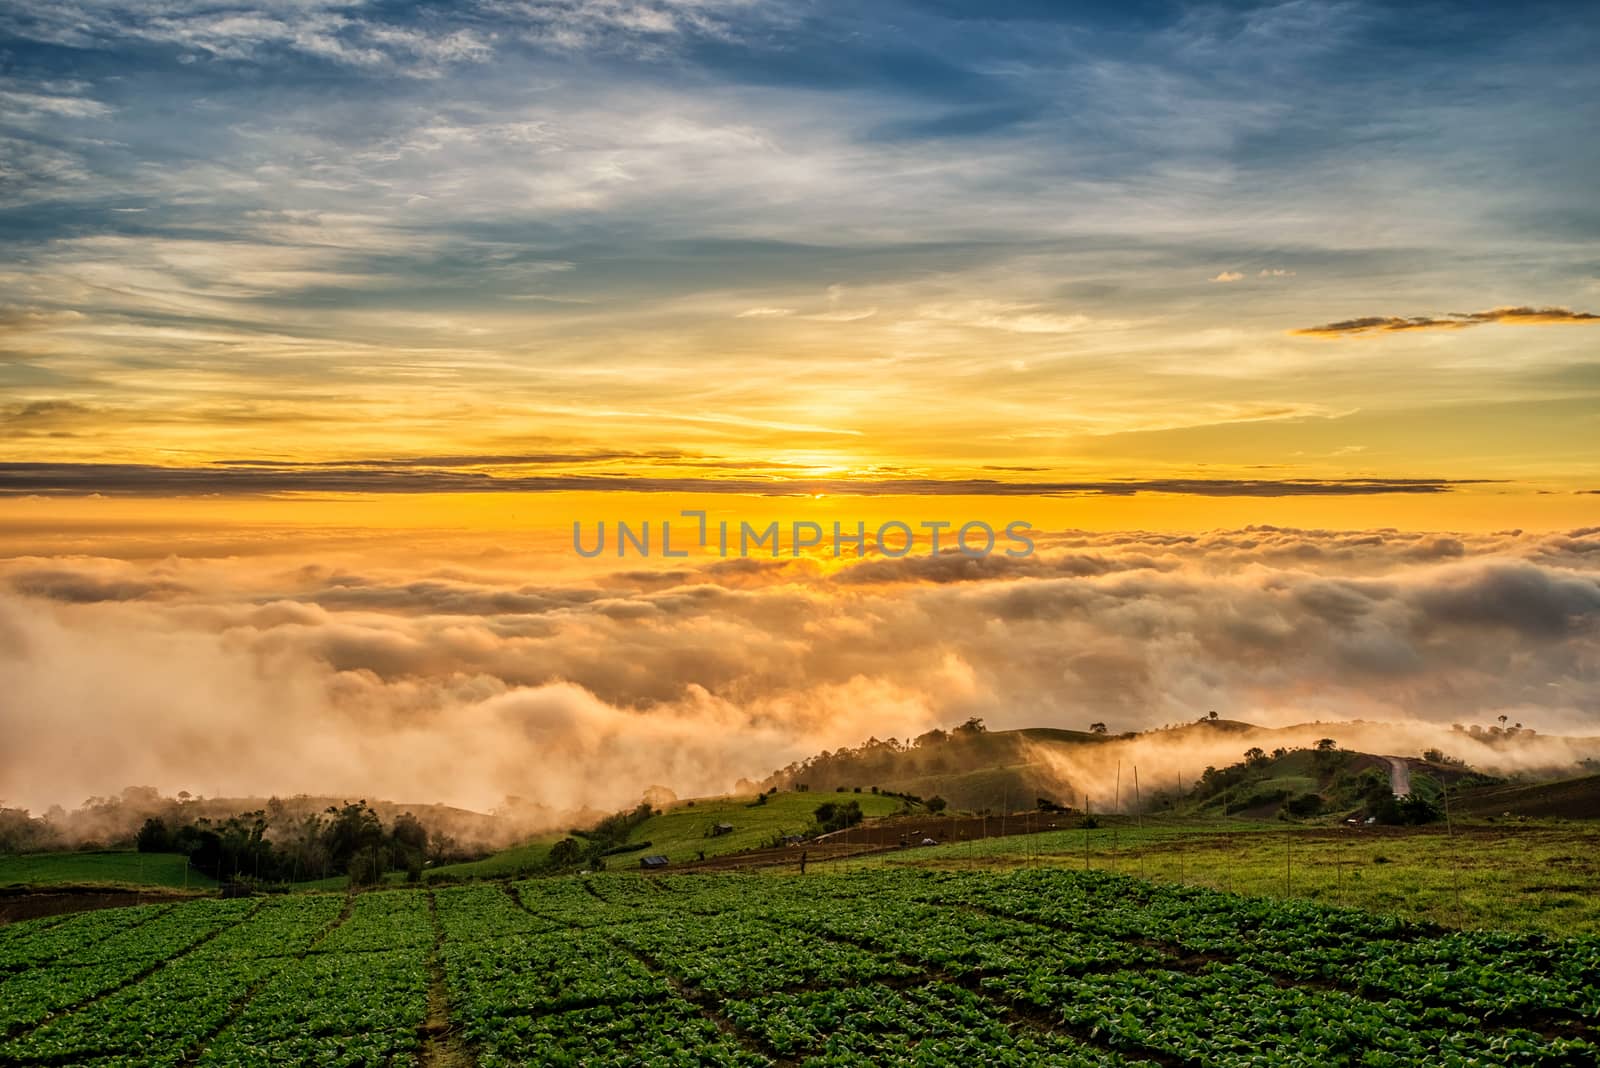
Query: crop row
point(911, 967)
point(92, 969)
point(1491, 973)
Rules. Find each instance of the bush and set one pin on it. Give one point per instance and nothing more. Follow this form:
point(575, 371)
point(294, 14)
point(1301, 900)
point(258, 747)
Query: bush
point(836, 815)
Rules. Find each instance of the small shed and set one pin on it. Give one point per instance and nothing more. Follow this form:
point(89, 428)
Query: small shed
point(793, 839)
point(721, 829)
point(655, 860)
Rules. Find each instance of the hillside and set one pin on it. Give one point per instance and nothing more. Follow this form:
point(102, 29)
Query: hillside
point(970, 767)
point(1573, 799)
point(682, 832)
point(976, 769)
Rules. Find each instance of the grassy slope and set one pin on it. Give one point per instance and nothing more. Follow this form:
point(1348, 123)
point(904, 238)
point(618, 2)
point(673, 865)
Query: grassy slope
point(1010, 787)
point(516, 860)
point(115, 867)
point(680, 832)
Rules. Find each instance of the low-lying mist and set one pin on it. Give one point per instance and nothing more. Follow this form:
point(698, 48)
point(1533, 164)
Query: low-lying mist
point(1115, 774)
point(465, 681)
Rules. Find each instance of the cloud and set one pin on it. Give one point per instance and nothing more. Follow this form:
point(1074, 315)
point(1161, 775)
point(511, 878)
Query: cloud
point(1227, 276)
point(443, 475)
point(764, 313)
point(1274, 272)
point(419, 677)
point(335, 31)
point(1392, 324)
point(843, 315)
point(1016, 318)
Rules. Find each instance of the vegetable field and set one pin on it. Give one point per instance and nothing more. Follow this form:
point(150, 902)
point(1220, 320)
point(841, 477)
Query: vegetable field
point(930, 968)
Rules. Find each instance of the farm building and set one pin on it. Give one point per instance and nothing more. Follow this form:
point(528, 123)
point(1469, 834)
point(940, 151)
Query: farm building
point(655, 860)
point(721, 829)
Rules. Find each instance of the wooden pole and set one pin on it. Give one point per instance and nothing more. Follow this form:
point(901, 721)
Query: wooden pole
point(1085, 832)
point(1116, 807)
point(1138, 814)
point(1455, 857)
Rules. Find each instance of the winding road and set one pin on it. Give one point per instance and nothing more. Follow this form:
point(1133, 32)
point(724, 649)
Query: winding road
point(1399, 776)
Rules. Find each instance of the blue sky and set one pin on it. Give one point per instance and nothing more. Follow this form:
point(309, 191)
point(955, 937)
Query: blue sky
point(754, 229)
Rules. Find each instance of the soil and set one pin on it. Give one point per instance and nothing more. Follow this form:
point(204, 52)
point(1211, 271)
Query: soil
point(25, 904)
point(887, 835)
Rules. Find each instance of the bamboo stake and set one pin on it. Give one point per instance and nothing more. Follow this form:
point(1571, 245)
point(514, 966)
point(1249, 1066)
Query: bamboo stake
point(1138, 814)
point(1455, 857)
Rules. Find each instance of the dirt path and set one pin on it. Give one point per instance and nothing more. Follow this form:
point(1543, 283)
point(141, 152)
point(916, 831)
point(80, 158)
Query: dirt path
point(1399, 776)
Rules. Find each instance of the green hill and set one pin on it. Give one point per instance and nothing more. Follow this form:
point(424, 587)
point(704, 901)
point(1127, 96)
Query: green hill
point(970, 767)
point(683, 831)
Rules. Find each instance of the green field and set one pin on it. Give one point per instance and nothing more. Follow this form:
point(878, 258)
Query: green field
point(108, 867)
point(887, 967)
point(1527, 876)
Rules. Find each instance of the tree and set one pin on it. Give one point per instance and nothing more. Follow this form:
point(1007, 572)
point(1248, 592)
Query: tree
point(566, 853)
point(1212, 715)
point(154, 837)
point(1326, 745)
point(973, 727)
point(1503, 719)
point(1097, 728)
point(1255, 756)
point(937, 804)
point(353, 828)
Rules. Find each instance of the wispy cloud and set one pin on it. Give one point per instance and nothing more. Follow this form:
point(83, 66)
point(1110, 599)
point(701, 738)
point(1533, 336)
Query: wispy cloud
point(1011, 317)
point(1394, 324)
point(1227, 276)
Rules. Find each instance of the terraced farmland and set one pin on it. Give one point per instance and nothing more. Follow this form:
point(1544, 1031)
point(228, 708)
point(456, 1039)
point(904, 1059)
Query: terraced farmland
point(927, 968)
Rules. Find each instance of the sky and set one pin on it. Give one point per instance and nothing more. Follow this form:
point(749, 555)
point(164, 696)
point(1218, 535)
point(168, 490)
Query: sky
point(304, 296)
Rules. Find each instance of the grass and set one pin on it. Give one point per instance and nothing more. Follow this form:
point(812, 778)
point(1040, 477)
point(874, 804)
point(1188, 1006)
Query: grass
point(1528, 876)
point(681, 833)
point(507, 863)
point(119, 867)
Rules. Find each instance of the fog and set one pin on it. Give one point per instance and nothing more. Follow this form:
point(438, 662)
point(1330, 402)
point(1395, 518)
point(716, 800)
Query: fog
point(418, 678)
point(1115, 775)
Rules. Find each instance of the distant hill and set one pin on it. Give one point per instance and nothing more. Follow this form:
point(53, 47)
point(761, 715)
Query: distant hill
point(975, 769)
point(971, 768)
